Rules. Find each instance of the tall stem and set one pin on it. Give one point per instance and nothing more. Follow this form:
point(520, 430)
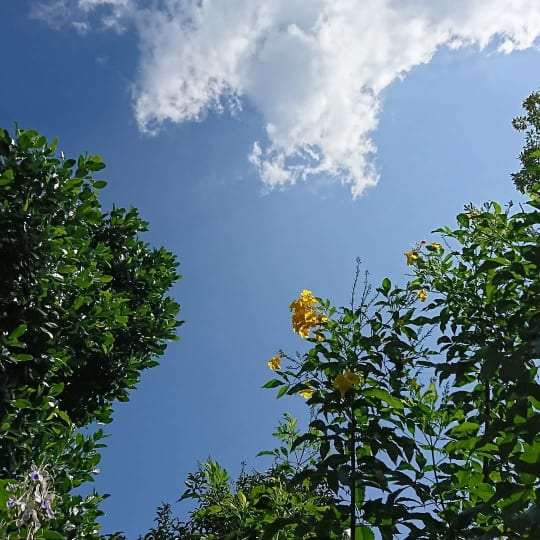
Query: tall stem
point(352, 442)
point(437, 483)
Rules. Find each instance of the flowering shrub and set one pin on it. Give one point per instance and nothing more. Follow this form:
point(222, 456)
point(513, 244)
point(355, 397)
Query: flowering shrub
point(31, 500)
point(425, 419)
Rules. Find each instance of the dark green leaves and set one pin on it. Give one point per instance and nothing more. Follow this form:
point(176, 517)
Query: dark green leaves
point(84, 308)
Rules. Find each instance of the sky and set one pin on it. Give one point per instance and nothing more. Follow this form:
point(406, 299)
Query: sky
point(269, 144)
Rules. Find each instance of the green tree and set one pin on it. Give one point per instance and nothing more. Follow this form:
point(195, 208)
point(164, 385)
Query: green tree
point(423, 399)
point(257, 505)
point(489, 355)
point(427, 421)
point(83, 310)
point(359, 378)
point(529, 175)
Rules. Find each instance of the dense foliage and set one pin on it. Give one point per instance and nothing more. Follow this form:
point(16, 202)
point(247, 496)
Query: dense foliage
point(424, 400)
point(83, 309)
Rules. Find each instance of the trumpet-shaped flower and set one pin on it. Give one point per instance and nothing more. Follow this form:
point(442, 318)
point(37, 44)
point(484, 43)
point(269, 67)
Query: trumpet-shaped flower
point(274, 363)
point(436, 245)
point(307, 392)
point(345, 381)
point(412, 256)
point(422, 295)
point(306, 301)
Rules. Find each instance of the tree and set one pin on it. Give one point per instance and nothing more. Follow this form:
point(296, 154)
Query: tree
point(423, 399)
point(257, 505)
point(83, 310)
point(435, 438)
point(529, 175)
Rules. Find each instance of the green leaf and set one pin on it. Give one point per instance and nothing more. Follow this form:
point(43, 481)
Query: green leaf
point(531, 454)
point(4, 494)
point(363, 532)
point(64, 416)
point(6, 178)
point(56, 389)
point(47, 534)
point(21, 403)
point(273, 383)
point(94, 164)
point(463, 220)
point(18, 332)
point(383, 395)
point(22, 357)
point(67, 269)
point(282, 391)
point(465, 428)
point(68, 163)
point(79, 301)
point(386, 285)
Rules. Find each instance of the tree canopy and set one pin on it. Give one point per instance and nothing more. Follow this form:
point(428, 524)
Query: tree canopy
point(83, 310)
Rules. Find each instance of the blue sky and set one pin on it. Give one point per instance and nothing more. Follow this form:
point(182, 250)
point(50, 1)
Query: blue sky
point(433, 90)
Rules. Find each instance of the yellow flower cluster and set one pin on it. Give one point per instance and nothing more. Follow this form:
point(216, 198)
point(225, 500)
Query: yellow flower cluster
point(304, 314)
point(346, 381)
point(422, 295)
point(274, 363)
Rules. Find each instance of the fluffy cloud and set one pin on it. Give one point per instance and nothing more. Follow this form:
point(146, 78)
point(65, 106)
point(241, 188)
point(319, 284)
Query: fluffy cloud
point(314, 69)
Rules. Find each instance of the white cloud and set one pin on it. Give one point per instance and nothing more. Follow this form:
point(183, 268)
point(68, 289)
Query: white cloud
point(314, 69)
point(58, 13)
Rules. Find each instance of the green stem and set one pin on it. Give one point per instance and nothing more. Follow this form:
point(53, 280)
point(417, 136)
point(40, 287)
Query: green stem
point(352, 443)
point(437, 482)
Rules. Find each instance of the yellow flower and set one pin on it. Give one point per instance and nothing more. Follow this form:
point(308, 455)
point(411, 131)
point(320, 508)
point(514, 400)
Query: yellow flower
point(436, 245)
point(422, 295)
point(307, 392)
point(274, 363)
point(473, 214)
point(304, 316)
point(346, 381)
point(306, 301)
point(412, 256)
